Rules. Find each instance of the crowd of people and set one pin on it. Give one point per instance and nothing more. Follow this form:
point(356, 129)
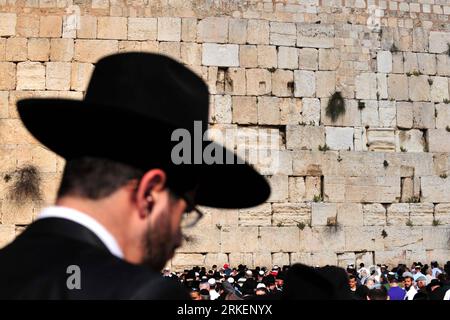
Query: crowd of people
point(376, 282)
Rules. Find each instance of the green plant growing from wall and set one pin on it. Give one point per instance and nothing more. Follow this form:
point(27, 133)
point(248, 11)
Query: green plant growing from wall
point(409, 223)
point(301, 225)
point(324, 148)
point(436, 222)
point(361, 105)
point(336, 106)
point(384, 234)
point(317, 198)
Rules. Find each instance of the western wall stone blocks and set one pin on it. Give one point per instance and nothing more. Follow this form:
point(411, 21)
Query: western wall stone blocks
point(427, 63)
point(38, 49)
point(204, 239)
point(112, 28)
point(226, 55)
point(374, 214)
point(384, 61)
point(80, 75)
point(279, 239)
point(304, 137)
point(398, 87)
point(269, 110)
point(440, 89)
point(259, 82)
point(50, 26)
point(442, 115)
point(291, 214)
point(313, 186)
point(329, 59)
point(58, 76)
point(381, 139)
point(351, 117)
point(16, 49)
point(244, 110)
point(248, 56)
point(239, 239)
point(237, 31)
point(257, 216)
point(222, 109)
point(308, 59)
point(169, 29)
point(443, 64)
point(237, 258)
point(420, 39)
point(291, 111)
point(350, 215)
point(305, 83)
point(191, 54)
point(435, 189)
point(436, 237)
point(213, 29)
point(258, 31)
point(287, 58)
point(311, 111)
point(419, 88)
point(323, 214)
point(267, 56)
point(404, 115)
point(421, 214)
point(366, 86)
point(325, 83)
point(363, 238)
point(8, 23)
point(442, 213)
point(87, 28)
point(171, 49)
point(279, 188)
point(423, 116)
point(410, 140)
point(439, 41)
point(283, 34)
point(30, 76)
point(186, 260)
point(297, 189)
point(315, 35)
point(142, 28)
point(188, 29)
point(283, 83)
point(338, 138)
point(7, 75)
point(387, 113)
point(92, 50)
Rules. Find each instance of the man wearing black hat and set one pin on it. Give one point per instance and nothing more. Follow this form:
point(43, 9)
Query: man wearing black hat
point(124, 192)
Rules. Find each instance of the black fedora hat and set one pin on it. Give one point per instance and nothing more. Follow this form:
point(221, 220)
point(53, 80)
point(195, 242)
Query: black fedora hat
point(132, 106)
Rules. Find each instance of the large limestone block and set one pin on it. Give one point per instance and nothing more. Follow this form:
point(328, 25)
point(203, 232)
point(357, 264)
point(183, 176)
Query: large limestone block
point(283, 83)
point(410, 140)
point(435, 189)
point(366, 86)
point(440, 89)
point(339, 138)
point(283, 33)
point(245, 110)
point(422, 214)
point(257, 216)
point(390, 257)
point(142, 28)
point(439, 41)
point(112, 28)
point(58, 75)
point(259, 82)
point(436, 237)
point(363, 238)
point(404, 115)
point(280, 259)
point(325, 83)
point(213, 29)
point(374, 214)
point(381, 139)
point(258, 32)
point(305, 83)
point(291, 214)
point(304, 137)
point(355, 164)
point(202, 239)
point(93, 50)
point(323, 214)
point(30, 76)
point(279, 239)
point(443, 64)
point(308, 59)
point(384, 61)
point(279, 188)
point(323, 258)
point(419, 88)
point(350, 214)
point(8, 23)
point(269, 110)
point(328, 239)
point(369, 114)
point(226, 55)
point(311, 111)
point(438, 140)
point(329, 59)
point(7, 75)
point(315, 35)
point(398, 87)
point(237, 31)
point(187, 260)
point(238, 239)
point(387, 113)
point(442, 213)
point(169, 29)
point(267, 56)
point(397, 214)
point(315, 163)
point(237, 258)
point(287, 58)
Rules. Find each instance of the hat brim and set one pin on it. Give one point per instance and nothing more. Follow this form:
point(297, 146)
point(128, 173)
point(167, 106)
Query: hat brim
point(73, 128)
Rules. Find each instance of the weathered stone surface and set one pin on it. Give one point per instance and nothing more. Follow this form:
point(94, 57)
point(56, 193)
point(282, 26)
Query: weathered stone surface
point(220, 55)
point(81, 73)
point(282, 83)
point(112, 28)
point(202, 239)
point(313, 188)
point(222, 109)
point(305, 83)
point(268, 110)
point(8, 24)
point(363, 238)
point(186, 260)
point(38, 49)
point(311, 111)
point(404, 115)
point(440, 89)
point(7, 75)
point(267, 56)
point(245, 110)
point(442, 213)
point(366, 86)
point(323, 214)
point(351, 118)
point(93, 50)
point(339, 138)
point(58, 76)
point(315, 35)
point(381, 139)
point(387, 112)
point(279, 188)
point(287, 58)
point(408, 187)
point(384, 61)
point(258, 32)
point(291, 214)
point(248, 56)
point(423, 115)
point(16, 49)
point(443, 64)
point(291, 111)
point(419, 88)
point(283, 34)
point(142, 28)
point(169, 29)
point(374, 214)
point(439, 41)
point(304, 137)
point(237, 31)
point(329, 59)
point(279, 239)
point(421, 214)
point(435, 189)
point(427, 63)
point(239, 239)
point(438, 140)
point(257, 216)
point(436, 237)
point(350, 214)
point(50, 26)
point(326, 83)
point(308, 59)
point(30, 76)
point(213, 29)
point(259, 82)
point(410, 140)
point(398, 87)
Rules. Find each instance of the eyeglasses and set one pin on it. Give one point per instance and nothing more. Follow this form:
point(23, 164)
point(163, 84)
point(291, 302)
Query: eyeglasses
point(192, 214)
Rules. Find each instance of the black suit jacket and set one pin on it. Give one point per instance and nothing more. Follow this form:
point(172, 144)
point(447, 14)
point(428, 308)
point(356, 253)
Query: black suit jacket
point(35, 266)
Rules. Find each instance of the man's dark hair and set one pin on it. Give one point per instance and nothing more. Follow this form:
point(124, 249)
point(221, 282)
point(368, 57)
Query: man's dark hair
point(351, 277)
point(95, 178)
point(378, 294)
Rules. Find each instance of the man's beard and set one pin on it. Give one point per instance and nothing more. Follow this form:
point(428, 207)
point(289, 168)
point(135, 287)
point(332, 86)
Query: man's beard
point(159, 244)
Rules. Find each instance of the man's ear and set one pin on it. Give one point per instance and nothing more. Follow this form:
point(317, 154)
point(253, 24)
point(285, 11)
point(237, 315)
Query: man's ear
point(152, 181)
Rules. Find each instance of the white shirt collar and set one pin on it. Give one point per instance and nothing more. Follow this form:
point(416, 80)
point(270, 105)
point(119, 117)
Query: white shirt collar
point(85, 220)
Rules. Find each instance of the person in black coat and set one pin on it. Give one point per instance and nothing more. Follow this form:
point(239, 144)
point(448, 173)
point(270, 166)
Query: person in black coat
point(132, 179)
